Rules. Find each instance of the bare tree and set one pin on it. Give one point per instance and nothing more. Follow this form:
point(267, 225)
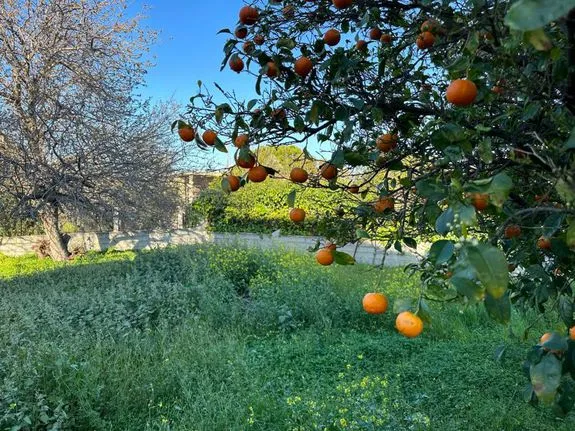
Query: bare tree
point(73, 137)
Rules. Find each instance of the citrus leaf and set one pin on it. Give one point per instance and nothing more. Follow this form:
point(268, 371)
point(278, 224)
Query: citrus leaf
point(402, 304)
point(291, 198)
point(342, 258)
point(498, 308)
point(491, 267)
point(444, 221)
point(441, 251)
point(360, 233)
point(527, 15)
point(545, 378)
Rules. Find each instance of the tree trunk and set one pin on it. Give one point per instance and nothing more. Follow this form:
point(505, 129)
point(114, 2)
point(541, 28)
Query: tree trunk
point(49, 217)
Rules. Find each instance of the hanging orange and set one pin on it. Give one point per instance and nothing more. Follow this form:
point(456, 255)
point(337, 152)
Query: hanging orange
point(461, 92)
point(375, 303)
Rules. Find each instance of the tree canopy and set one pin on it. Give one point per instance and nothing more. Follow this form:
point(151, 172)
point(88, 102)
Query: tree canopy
point(457, 114)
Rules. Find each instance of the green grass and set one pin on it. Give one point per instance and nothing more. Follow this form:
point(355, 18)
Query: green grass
point(205, 338)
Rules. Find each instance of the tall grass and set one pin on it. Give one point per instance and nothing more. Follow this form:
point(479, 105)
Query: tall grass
point(210, 338)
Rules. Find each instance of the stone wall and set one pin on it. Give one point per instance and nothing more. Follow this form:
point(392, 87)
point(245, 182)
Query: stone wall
point(365, 253)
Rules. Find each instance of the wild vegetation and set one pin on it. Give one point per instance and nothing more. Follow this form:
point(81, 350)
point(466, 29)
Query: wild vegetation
point(204, 338)
point(452, 118)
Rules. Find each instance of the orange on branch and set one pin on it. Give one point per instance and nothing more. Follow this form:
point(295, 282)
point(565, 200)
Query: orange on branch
point(328, 171)
point(385, 38)
point(461, 92)
point(480, 201)
point(342, 4)
point(209, 137)
point(512, 231)
point(384, 204)
point(234, 182)
point(544, 243)
point(236, 64)
point(409, 324)
point(249, 15)
point(303, 66)
point(257, 174)
point(375, 34)
point(298, 175)
point(297, 215)
point(374, 303)
point(425, 40)
point(241, 141)
point(324, 257)
point(187, 133)
point(332, 37)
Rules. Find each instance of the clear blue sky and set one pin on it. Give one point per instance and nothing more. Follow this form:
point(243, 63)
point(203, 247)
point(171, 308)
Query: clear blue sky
point(188, 48)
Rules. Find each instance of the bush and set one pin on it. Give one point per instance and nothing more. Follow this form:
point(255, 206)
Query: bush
point(263, 208)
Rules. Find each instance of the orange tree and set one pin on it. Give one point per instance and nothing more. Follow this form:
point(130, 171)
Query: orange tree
point(457, 114)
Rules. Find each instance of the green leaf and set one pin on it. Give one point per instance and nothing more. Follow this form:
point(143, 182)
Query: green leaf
point(430, 189)
point(491, 268)
point(570, 144)
point(444, 221)
point(485, 151)
point(291, 198)
point(552, 223)
point(467, 285)
point(527, 15)
point(225, 184)
point(565, 190)
point(219, 145)
point(539, 40)
point(342, 258)
point(545, 378)
point(567, 310)
point(570, 237)
point(498, 308)
point(441, 251)
point(402, 304)
point(362, 234)
point(410, 242)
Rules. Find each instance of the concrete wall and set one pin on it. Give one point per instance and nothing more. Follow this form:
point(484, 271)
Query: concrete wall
point(365, 253)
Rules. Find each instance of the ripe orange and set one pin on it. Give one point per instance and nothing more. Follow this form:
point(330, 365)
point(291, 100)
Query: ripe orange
point(236, 64)
point(298, 175)
point(385, 38)
point(374, 303)
point(234, 182)
point(386, 142)
point(512, 231)
point(409, 324)
point(361, 45)
point(572, 333)
point(332, 37)
point(461, 92)
point(324, 257)
point(480, 201)
point(272, 70)
point(257, 174)
point(297, 215)
point(246, 164)
point(375, 34)
point(342, 4)
point(425, 40)
point(249, 15)
point(328, 171)
point(430, 25)
point(279, 114)
point(241, 140)
point(241, 32)
point(259, 39)
point(544, 243)
point(353, 189)
point(187, 133)
point(496, 89)
point(249, 47)
point(303, 66)
point(384, 204)
point(209, 137)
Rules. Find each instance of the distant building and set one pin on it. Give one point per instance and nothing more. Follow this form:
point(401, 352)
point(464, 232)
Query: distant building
point(190, 184)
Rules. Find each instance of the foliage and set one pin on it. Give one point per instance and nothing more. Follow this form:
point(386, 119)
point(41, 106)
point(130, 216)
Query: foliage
point(161, 340)
point(473, 157)
point(75, 138)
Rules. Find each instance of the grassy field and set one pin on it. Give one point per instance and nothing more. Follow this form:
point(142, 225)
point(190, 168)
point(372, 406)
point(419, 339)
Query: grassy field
point(205, 338)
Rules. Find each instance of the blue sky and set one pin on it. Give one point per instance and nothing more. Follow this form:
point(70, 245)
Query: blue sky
point(188, 48)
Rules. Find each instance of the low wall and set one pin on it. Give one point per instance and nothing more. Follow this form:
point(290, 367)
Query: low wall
point(101, 241)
